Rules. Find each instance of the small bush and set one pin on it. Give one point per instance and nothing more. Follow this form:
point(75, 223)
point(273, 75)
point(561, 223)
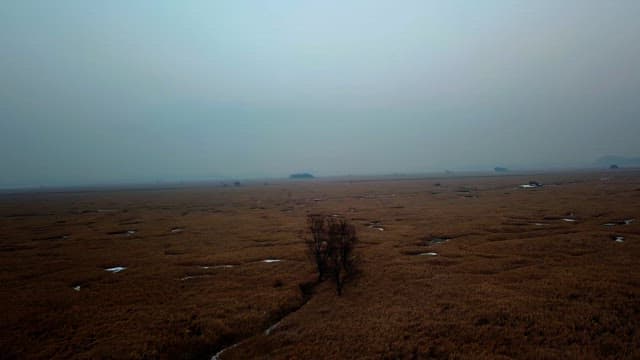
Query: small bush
point(331, 247)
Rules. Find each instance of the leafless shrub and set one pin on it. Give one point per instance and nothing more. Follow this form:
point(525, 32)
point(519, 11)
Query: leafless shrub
point(331, 247)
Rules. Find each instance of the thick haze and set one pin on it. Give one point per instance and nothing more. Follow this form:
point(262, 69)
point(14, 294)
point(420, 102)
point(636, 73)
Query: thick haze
point(111, 91)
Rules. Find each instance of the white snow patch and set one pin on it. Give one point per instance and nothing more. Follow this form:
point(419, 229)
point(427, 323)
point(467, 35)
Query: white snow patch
point(619, 239)
point(223, 266)
point(206, 267)
point(189, 277)
point(428, 254)
point(376, 225)
point(569, 220)
point(217, 355)
point(271, 328)
point(620, 222)
point(76, 288)
point(271, 261)
point(116, 269)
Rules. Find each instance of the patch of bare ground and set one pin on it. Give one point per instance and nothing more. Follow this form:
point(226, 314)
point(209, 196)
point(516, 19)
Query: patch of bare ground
point(450, 268)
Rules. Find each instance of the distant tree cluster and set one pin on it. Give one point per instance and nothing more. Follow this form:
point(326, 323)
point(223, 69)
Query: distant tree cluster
point(331, 246)
point(301, 176)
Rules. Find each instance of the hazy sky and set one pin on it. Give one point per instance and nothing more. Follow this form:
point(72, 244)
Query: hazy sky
point(102, 91)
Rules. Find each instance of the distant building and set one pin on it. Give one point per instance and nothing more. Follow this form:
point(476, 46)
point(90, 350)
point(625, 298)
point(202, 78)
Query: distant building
point(500, 169)
point(301, 176)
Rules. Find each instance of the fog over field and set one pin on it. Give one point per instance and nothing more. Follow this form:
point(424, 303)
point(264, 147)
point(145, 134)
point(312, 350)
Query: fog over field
point(120, 91)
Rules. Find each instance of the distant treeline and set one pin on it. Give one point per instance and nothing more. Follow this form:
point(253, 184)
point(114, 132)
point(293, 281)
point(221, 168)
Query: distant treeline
point(301, 176)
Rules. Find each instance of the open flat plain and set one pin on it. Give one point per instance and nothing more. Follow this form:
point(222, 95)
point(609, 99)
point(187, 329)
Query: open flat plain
point(452, 267)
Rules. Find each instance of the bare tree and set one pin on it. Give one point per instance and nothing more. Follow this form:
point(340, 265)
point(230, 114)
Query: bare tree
point(331, 247)
point(318, 243)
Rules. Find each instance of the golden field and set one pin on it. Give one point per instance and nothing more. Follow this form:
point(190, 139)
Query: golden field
point(513, 272)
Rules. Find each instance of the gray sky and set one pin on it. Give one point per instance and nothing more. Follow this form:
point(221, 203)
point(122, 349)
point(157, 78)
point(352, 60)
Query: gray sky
point(104, 91)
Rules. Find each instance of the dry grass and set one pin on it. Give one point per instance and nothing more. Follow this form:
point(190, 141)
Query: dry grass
point(501, 286)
